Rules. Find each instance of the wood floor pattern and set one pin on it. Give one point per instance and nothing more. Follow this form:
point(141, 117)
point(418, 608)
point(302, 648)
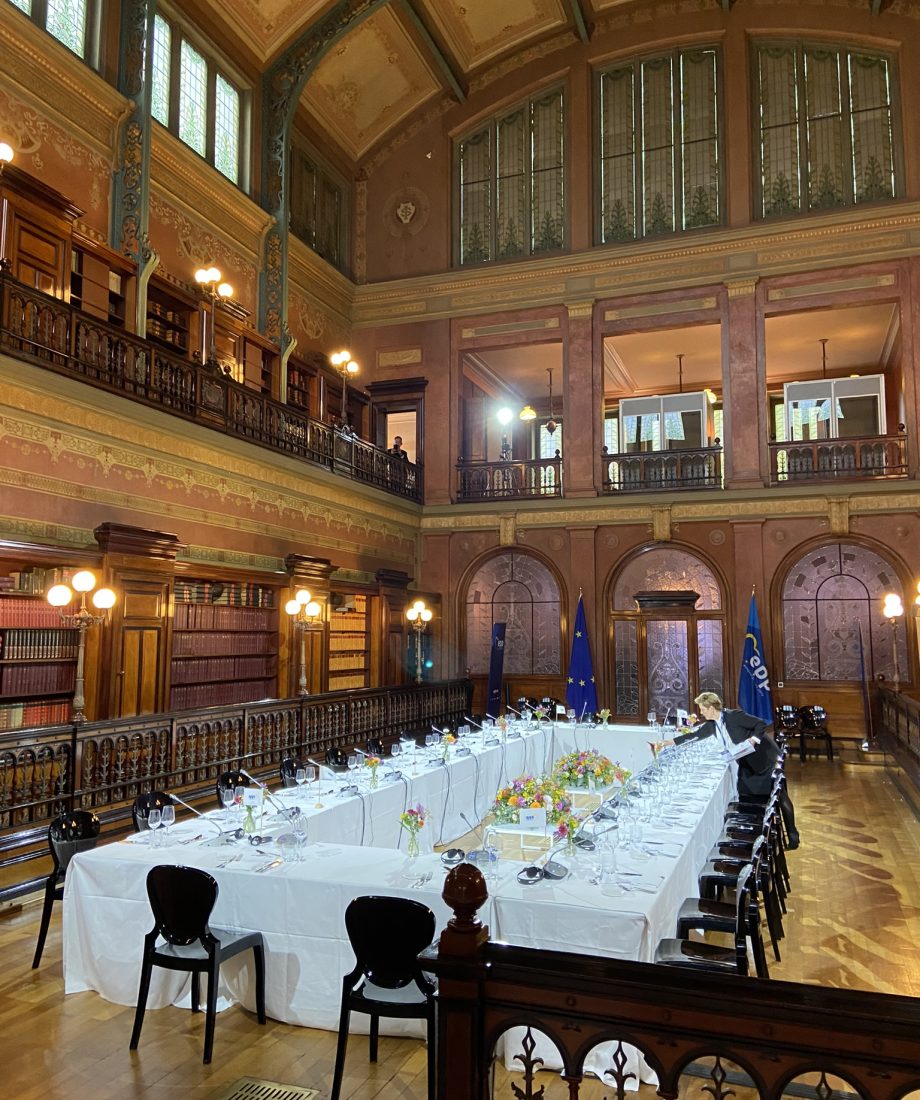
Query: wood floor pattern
point(854, 922)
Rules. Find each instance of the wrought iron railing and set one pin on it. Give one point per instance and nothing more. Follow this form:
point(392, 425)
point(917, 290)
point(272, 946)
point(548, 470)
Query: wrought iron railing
point(54, 334)
point(867, 456)
point(647, 471)
point(510, 480)
point(103, 766)
point(748, 1036)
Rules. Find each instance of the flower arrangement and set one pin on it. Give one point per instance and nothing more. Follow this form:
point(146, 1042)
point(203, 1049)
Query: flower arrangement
point(502, 724)
point(603, 715)
point(689, 722)
point(372, 762)
point(565, 828)
point(529, 792)
point(447, 739)
point(577, 769)
point(412, 820)
point(539, 713)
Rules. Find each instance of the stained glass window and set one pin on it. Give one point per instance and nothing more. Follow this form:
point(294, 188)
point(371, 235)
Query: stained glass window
point(316, 205)
point(510, 183)
point(203, 107)
point(23, 5)
point(826, 135)
point(69, 21)
point(833, 627)
point(518, 590)
point(660, 145)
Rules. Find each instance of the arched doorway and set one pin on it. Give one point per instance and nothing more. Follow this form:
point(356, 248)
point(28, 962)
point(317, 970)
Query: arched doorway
point(667, 625)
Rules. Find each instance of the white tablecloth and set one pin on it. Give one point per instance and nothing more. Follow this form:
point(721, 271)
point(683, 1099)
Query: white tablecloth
point(300, 906)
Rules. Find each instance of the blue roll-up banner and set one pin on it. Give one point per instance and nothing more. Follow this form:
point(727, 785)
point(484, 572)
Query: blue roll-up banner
point(496, 667)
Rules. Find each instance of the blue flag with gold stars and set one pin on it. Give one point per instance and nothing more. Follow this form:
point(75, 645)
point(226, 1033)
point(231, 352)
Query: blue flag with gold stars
point(580, 692)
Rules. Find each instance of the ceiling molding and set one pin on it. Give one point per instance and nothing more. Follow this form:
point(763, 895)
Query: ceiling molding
point(492, 384)
point(615, 370)
point(447, 65)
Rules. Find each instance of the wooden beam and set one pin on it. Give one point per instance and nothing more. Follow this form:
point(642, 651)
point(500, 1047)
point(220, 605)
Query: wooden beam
point(447, 66)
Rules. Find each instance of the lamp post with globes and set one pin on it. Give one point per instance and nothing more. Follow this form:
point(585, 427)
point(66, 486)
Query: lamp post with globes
point(419, 617)
point(60, 595)
point(209, 279)
point(893, 609)
point(304, 612)
point(345, 365)
point(6, 155)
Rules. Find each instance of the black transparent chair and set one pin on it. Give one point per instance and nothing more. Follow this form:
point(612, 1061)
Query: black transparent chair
point(182, 899)
point(289, 769)
point(337, 758)
point(375, 747)
point(68, 834)
point(813, 728)
point(387, 935)
point(144, 803)
point(229, 781)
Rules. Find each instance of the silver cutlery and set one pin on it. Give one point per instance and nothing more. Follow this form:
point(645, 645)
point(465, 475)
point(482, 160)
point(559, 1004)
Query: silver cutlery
point(192, 839)
point(268, 866)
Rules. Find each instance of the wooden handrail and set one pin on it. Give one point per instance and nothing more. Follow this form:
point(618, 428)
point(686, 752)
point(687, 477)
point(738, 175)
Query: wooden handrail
point(858, 457)
point(781, 1034)
point(55, 335)
point(513, 479)
point(650, 471)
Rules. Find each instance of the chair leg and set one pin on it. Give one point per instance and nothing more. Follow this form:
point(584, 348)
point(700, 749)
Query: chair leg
point(196, 990)
point(259, 954)
point(432, 1053)
point(46, 921)
point(344, 1019)
point(210, 1012)
point(144, 989)
point(373, 1036)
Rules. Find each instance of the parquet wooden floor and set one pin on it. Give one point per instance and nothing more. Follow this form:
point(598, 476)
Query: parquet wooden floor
point(854, 921)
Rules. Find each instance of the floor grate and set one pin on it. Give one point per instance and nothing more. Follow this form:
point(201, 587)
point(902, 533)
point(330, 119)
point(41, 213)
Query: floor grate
point(252, 1088)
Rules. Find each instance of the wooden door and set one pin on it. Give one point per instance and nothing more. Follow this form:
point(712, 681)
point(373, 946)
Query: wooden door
point(138, 681)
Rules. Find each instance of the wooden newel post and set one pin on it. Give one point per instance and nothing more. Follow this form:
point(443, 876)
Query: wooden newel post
point(456, 959)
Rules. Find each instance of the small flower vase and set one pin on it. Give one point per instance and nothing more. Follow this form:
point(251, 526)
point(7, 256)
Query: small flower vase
point(445, 751)
point(412, 848)
point(605, 723)
point(249, 821)
point(571, 848)
point(373, 783)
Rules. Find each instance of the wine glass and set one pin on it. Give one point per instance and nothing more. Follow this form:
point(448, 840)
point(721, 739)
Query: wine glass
point(153, 823)
point(238, 798)
point(395, 749)
point(300, 777)
point(167, 818)
point(352, 763)
point(227, 797)
point(652, 719)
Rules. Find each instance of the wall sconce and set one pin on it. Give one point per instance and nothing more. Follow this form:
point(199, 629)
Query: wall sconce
point(304, 612)
point(6, 155)
point(419, 617)
point(893, 609)
point(209, 279)
point(345, 365)
point(60, 595)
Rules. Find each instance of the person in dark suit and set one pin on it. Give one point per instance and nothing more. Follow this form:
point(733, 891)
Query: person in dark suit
point(755, 771)
point(397, 448)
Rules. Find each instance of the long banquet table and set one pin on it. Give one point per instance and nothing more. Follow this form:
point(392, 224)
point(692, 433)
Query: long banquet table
point(299, 906)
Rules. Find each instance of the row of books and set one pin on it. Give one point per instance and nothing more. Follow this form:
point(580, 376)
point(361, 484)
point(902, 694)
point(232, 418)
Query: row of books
point(222, 668)
point(38, 645)
point(235, 593)
point(36, 679)
point(36, 582)
point(342, 641)
point(219, 643)
point(337, 664)
point(205, 616)
point(16, 611)
point(16, 716)
point(212, 695)
point(343, 683)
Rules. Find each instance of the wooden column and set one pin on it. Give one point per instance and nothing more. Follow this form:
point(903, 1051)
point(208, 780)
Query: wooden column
point(313, 574)
point(135, 648)
point(744, 390)
point(582, 404)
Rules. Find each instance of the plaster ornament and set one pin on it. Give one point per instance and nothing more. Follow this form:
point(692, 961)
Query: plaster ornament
point(405, 212)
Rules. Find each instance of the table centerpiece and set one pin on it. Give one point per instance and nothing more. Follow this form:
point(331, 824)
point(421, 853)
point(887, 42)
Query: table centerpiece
point(529, 792)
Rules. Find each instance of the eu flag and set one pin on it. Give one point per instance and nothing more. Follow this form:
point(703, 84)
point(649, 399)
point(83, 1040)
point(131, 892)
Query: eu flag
point(580, 692)
point(754, 685)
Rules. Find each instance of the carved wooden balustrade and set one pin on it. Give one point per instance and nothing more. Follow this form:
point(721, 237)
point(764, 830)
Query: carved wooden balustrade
point(870, 456)
point(55, 335)
point(509, 480)
point(648, 471)
point(748, 1037)
point(103, 766)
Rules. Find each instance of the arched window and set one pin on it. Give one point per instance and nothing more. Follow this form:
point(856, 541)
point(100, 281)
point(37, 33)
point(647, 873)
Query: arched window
point(832, 619)
point(516, 589)
point(665, 650)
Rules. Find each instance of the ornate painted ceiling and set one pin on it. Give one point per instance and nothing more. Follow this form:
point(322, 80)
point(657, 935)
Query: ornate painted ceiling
point(405, 54)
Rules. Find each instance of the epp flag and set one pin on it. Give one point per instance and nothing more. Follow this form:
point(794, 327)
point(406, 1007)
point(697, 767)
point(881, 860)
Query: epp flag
point(754, 695)
point(580, 691)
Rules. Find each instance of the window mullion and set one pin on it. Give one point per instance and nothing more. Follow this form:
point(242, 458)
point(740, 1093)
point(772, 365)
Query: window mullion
point(210, 114)
point(802, 111)
point(846, 107)
point(175, 78)
point(677, 139)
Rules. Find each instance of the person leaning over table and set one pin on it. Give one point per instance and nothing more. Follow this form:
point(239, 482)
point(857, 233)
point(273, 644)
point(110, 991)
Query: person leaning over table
point(755, 771)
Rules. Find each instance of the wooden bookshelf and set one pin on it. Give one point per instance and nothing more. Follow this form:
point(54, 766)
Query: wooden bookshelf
point(100, 281)
point(38, 657)
point(169, 319)
point(349, 663)
point(224, 643)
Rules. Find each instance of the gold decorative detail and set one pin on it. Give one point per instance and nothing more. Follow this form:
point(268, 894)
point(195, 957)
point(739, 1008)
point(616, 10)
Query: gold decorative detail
point(580, 310)
point(538, 325)
point(661, 524)
point(506, 530)
point(831, 286)
point(399, 357)
point(741, 288)
point(838, 514)
point(659, 309)
point(854, 247)
point(194, 242)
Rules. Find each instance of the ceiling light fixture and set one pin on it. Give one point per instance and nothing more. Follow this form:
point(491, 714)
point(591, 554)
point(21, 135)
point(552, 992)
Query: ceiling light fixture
point(551, 424)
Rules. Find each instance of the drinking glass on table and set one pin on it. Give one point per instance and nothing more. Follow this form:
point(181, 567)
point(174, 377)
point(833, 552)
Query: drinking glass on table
point(153, 823)
point(352, 762)
point(300, 777)
point(652, 718)
point(167, 818)
point(395, 749)
point(238, 798)
point(227, 797)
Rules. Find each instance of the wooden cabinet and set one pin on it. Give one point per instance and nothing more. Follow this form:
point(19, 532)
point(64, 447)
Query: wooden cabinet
point(349, 656)
point(101, 282)
point(243, 353)
point(37, 229)
point(169, 319)
point(225, 643)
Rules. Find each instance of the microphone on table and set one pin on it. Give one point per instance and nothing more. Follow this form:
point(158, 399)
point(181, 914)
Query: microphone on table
point(513, 711)
point(471, 722)
point(204, 817)
point(476, 830)
point(285, 811)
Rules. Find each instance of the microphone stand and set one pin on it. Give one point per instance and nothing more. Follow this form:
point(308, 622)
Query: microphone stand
point(317, 805)
point(280, 808)
point(204, 817)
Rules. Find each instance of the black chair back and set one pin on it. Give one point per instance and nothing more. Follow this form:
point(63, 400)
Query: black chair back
point(230, 780)
point(289, 768)
point(337, 758)
point(786, 717)
point(374, 746)
point(387, 935)
point(143, 804)
point(70, 833)
point(813, 718)
point(182, 899)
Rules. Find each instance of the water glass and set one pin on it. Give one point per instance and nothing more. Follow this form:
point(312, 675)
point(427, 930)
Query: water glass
point(300, 776)
point(605, 863)
point(167, 818)
point(287, 843)
point(153, 824)
point(227, 797)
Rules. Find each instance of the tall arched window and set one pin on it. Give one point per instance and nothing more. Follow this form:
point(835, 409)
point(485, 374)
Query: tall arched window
point(832, 618)
point(666, 649)
point(516, 589)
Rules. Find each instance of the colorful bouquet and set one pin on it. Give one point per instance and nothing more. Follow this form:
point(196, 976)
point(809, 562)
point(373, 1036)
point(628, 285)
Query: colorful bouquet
point(372, 762)
point(539, 713)
point(565, 828)
point(447, 739)
point(603, 715)
point(529, 792)
point(578, 769)
point(412, 820)
point(502, 724)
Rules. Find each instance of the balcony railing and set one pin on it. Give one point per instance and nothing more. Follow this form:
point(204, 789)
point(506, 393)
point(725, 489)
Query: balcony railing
point(867, 456)
point(511, 480)
point(648, 471)
point(54, 334)
point(103, 765)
